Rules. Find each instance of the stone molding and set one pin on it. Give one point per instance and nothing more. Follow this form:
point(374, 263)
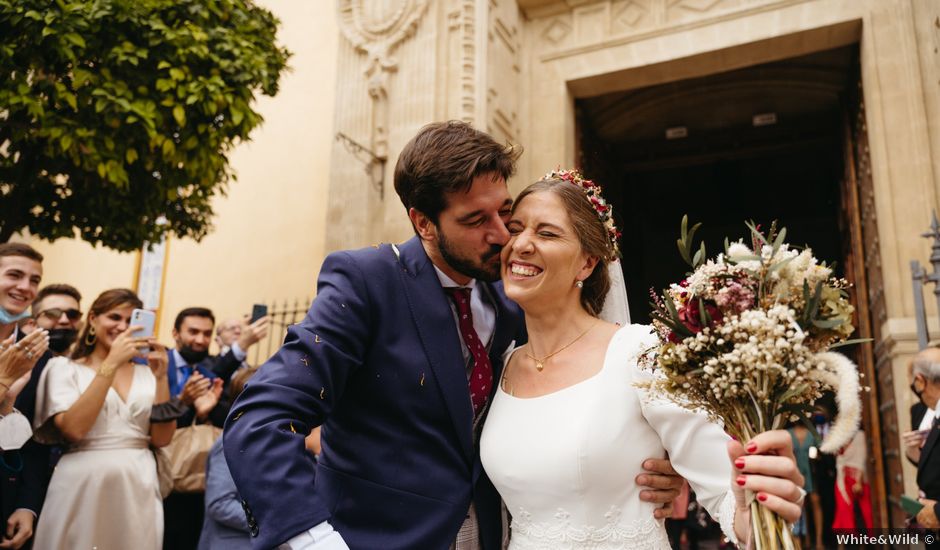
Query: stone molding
point(567, 28)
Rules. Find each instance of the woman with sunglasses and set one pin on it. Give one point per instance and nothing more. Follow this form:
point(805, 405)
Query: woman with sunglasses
point(104, 492)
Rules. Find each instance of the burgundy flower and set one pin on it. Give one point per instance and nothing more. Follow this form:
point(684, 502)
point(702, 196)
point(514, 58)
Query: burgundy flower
point(690, 316)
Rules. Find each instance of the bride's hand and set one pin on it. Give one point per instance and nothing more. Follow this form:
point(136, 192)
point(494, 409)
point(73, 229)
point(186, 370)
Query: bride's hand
point(766, 466)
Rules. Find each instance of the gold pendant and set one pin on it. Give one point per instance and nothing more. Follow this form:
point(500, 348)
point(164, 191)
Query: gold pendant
point(539, 366)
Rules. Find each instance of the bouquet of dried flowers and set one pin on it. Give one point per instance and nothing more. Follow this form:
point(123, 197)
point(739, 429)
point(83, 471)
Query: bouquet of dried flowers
point(746, 338)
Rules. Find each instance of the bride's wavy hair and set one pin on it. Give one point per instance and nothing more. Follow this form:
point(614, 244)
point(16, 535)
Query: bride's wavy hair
point(591, 232)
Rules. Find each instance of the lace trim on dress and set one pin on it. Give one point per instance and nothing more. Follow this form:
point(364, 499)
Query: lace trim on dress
point(646, 534)
point(726, 517)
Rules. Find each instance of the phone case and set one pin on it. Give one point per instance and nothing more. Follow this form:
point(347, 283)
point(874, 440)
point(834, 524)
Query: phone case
point(258, 311)
point(910, 505)
point(145, 319)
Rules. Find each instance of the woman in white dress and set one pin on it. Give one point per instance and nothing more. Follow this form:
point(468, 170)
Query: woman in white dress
point(104, 493)
point(568, 425)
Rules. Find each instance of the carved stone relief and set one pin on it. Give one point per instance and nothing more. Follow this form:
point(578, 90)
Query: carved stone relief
point(374, 34)
point(376, 28)
point(461, 62)
point(556, 30)
point(503, 70)
point(632, 15)
point(683, 10)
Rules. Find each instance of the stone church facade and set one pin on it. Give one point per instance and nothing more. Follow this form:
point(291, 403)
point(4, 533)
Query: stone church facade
point(521, 69)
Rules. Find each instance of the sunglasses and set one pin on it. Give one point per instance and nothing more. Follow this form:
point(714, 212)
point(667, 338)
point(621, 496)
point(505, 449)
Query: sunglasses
point(55, 313)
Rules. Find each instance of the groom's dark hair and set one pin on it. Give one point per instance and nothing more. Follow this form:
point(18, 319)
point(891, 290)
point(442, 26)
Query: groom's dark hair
point(446, 157)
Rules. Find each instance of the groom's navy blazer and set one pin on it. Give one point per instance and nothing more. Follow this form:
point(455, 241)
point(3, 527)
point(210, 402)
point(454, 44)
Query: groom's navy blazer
point(378, 362)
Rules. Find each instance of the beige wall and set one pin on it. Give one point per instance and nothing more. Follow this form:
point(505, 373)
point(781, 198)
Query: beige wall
point(268, 240)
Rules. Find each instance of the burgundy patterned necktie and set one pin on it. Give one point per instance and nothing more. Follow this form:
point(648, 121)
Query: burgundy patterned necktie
point(481, 377)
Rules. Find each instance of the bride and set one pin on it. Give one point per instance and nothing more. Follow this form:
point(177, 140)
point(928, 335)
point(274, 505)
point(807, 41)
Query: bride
point(568, 423)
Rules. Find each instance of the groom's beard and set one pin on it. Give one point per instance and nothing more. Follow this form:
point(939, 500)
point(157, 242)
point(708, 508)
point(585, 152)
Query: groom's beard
point(486, 268)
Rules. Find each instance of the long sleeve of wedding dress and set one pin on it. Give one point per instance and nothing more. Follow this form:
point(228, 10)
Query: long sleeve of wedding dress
point(697, 449)
point(565, 463)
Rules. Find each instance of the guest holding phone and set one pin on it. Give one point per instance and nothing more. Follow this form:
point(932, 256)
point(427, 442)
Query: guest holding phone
point(104, 492)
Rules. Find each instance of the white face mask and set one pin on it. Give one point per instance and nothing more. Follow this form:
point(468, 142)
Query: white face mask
point(6, 317)
point(14, 431)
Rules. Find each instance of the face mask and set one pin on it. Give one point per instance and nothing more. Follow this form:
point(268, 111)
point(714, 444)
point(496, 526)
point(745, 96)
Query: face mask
point(192, 356)
point(7, 318)
point(61, 338)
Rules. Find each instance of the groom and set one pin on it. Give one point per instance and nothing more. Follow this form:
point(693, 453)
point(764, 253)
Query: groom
point(400, 384)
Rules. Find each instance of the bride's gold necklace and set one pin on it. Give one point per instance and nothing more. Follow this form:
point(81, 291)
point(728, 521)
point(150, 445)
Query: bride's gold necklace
point(540, 363)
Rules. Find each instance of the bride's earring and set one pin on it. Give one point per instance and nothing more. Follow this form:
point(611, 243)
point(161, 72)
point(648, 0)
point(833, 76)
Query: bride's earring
point(579, 284)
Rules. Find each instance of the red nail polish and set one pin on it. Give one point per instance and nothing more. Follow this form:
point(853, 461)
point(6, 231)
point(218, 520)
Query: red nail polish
point(751, 447)
point(741, 480)
point(739, 463)
point(762, 497)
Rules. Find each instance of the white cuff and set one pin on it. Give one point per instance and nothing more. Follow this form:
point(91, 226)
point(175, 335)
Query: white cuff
point(238, 352)
point(15, 431)
point(35, 515)
point(319, 537)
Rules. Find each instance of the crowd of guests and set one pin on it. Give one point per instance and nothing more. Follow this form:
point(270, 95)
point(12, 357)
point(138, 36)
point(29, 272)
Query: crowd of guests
point(85, 406)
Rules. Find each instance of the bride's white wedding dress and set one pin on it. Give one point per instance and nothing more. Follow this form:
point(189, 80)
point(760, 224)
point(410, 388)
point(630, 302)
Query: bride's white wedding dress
point(565, 463)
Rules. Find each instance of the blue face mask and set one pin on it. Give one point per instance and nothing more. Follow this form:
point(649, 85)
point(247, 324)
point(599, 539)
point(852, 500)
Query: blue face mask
point(6, 317)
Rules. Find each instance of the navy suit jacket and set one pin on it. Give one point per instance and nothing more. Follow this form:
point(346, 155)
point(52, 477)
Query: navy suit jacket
point(378, 362)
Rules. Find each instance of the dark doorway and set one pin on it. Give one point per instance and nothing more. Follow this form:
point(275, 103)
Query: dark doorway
point(726, 170)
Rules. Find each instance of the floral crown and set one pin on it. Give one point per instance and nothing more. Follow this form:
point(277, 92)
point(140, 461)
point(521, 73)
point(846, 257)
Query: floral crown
point(592, 192)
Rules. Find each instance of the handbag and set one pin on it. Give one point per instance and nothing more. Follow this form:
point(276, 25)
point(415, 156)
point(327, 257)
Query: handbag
point(164, 471)
point(188, 452)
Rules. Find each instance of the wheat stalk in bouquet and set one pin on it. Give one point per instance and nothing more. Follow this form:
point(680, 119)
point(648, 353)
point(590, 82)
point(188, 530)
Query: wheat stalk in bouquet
point(747, 338)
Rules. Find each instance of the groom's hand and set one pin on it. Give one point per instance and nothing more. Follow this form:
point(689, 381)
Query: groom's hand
point(662, 485)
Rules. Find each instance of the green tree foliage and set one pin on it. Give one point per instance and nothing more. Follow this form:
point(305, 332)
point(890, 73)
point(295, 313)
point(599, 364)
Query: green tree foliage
point(115, 113)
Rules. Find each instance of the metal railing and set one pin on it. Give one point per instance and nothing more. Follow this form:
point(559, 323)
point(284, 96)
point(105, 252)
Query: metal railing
point(920, 278)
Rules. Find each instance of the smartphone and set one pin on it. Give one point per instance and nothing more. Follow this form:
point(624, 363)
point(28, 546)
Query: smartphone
point(258, 311)
point(910, 505)
point(146, 319)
